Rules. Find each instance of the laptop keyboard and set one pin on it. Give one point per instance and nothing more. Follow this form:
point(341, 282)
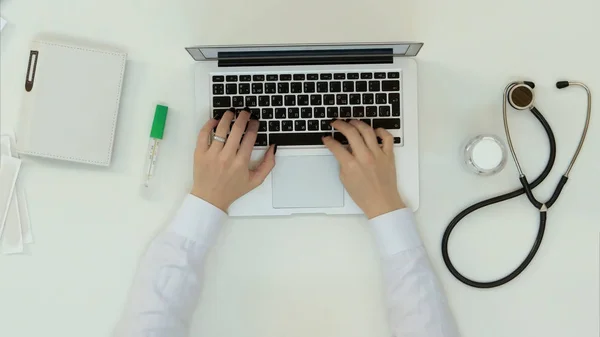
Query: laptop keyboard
point(297, 108)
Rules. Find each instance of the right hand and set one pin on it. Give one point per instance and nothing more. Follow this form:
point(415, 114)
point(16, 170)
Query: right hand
point(369, 171)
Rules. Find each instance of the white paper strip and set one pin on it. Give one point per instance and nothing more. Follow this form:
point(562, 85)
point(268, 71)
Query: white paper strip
point(9, 171)
point(12, 238)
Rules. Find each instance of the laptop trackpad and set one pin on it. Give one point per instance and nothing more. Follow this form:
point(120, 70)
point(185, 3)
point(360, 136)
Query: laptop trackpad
point(307, 182)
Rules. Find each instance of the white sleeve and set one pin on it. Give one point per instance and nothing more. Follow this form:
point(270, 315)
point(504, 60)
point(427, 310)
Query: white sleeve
point(416, 302)
point(167, 285)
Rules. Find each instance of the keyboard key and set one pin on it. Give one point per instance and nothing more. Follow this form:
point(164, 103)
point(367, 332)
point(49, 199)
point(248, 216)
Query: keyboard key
point(274, 126)
point(218, 113)
point(361, 86)
point(366, 76)
point(221, 102)
point(387, 123)
point(293, 113)
point(302, 100)
point(396, 109)
point(368, 98)
point(262, 127)
point(218, 78)
point(390, 85)
point(384, 111)
point(264, 100)
point(340, 138)
point(273, 77)
point(244, 88)
point(251, 101)
point(326, 125)
point(287, 126)
point(290, 100)
point(352, 76)
point(231, 89)
point(270, 88)
point(332, 112)
point(258, 78)
point(348, 86)
point(374, 85)
point(381, 98)
point(245, 78)
point(397, 140)
point(394, 75)
point(218, 89)
point(379, 75)
point(326, 76)
point(267, 113)
point(299, 125)
point(316, 99)
point(367, 121)
point(285, 77)
point(371, 111)
point(313, 125)
point(339, 76)
point(341, 99)
point(358, 111)
point(261, 140)
point(255, 114)
point(283, 87)
point(306, 113)
point(319, 112)
point(312, 77)
point(296, 88)
point(329, 99)
point(280, 113)
point(335, 86)
point(276, 100)
point(299, 77)
point(354, 99)
point(301, 138)
point(322, 87)
point(231, 78)
point(257, 88)
point(345, 112)
point(238, 101)
point(309, 87)
point(394, 98)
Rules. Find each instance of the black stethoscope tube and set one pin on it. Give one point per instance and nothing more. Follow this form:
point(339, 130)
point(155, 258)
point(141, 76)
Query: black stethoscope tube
point(501, 198)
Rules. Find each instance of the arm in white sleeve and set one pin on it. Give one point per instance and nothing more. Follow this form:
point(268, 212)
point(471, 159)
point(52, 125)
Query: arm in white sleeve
point(167, 285)
point(417, 305)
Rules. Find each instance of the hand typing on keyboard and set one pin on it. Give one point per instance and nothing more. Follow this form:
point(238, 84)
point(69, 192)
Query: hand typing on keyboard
point(221, 173)
point(367, 171)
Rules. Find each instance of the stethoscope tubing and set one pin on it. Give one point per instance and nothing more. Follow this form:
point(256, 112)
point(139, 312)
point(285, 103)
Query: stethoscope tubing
point(527, 188)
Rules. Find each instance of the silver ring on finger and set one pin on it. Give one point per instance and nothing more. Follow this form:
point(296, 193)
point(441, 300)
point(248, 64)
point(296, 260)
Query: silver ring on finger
point(219, 139)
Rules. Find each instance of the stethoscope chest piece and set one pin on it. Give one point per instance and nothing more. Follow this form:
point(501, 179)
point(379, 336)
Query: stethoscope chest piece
point(521, 96)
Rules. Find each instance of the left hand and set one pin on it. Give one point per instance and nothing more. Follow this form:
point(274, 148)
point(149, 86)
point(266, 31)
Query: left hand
point(221, 170)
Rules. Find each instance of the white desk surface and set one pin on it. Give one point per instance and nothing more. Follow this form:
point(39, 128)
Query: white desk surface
point(314, 275)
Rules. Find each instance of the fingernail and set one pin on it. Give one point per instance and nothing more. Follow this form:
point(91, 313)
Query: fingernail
point(275, 149)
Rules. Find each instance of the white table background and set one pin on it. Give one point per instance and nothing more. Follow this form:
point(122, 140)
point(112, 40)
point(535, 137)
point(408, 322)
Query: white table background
point(314, 275)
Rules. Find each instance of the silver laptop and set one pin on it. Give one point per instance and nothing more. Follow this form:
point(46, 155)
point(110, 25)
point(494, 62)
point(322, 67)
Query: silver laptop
point(295, 91)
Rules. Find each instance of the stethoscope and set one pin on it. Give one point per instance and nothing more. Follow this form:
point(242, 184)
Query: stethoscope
point(520, 96)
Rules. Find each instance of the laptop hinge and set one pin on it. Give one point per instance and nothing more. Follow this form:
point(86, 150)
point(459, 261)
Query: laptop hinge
point(305, 57)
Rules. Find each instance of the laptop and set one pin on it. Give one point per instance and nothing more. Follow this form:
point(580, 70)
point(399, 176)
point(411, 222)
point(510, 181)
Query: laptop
point(295, 91)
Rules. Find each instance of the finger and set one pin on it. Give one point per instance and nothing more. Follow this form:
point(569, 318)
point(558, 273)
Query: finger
point(237, 131)
point(355, 140)
point(368, 135)
point(248, 141)
point(204, 135)
point(261, 172)
point(222, 130)
point(387, 139)
point(339, 151)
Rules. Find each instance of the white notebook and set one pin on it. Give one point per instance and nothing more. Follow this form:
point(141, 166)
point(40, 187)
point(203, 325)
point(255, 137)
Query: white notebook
point(71, 102)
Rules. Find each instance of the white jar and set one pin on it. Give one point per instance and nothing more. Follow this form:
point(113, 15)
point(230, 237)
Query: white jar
point(485, 155)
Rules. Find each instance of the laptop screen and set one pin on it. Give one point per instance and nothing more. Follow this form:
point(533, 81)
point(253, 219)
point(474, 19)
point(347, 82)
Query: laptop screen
point(212, 53)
